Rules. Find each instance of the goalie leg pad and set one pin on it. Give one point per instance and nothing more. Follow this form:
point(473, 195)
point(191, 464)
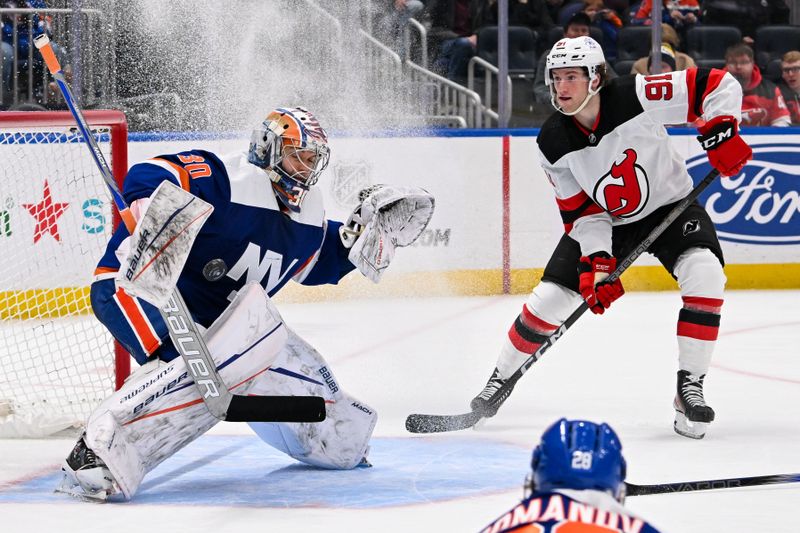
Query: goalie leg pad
point(341, 441)
point(155, 414)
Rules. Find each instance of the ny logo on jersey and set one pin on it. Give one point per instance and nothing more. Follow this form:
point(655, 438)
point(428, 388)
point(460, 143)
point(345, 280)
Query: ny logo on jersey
point(623, 191)
point(258, 268)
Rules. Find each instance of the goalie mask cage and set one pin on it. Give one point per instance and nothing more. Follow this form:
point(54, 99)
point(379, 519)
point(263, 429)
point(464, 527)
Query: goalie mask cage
point(57, 362)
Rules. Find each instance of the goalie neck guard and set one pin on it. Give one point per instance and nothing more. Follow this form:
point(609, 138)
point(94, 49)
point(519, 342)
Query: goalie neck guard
point(581, 455)
point(580, 52)
point(290, 133)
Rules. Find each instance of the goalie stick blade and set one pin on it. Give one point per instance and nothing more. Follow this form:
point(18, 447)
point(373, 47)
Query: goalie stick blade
point(441, 423)
point(276, 409)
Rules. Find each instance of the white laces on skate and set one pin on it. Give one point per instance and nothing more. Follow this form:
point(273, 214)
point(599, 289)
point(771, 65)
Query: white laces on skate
point(492, 386)
point(692, 391)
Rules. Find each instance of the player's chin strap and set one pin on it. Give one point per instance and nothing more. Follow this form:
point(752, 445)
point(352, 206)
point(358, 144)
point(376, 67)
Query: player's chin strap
point(580, 107)
point(388, 217)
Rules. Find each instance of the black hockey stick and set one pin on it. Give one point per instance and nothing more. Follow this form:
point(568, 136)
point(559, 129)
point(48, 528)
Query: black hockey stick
point(182, 330)
point(710, 484)
point(419, 423)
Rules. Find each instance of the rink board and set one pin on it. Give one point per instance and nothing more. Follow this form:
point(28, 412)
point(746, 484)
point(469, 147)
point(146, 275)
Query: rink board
point(462, 252)
point(492, 231)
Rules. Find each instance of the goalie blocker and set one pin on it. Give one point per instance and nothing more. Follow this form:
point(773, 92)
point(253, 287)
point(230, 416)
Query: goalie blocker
point(157, 412)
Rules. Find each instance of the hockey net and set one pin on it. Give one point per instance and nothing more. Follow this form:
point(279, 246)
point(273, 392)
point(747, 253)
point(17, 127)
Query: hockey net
point(57, 362)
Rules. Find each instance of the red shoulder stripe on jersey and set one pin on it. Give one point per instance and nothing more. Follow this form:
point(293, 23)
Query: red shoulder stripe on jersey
point(714, 79)
point(691, 86)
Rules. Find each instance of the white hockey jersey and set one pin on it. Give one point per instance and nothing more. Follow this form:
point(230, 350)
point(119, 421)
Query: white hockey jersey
point(626, 167)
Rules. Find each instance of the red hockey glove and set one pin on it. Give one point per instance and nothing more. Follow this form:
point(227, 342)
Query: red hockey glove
point(591, 272)
point(727, 151)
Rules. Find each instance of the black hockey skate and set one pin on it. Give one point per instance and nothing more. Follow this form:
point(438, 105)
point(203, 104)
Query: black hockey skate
point(480, 403)
point(692, 415)
point(86, 475)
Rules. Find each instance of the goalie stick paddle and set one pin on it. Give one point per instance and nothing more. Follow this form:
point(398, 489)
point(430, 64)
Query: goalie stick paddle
point(421, 423)
point(710, 484)
point(182, 330)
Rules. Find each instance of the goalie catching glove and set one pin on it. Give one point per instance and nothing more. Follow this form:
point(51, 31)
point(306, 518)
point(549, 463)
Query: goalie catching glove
point(387, 217)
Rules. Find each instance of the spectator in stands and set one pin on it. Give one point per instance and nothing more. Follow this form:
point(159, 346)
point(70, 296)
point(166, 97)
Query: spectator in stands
point(452, 33)
point(669, 37)
point(608, 21)
point(393, 18)
point(747, 15)
point(790, 86)
point(6, 64)
point(24, 37)
point(667, 61)
point(532, 14)
point(553, 7)
point(578, 26)
point(762, 103)
point(681, 14)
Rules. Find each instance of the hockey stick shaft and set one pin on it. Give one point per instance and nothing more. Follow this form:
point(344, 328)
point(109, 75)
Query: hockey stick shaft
point(182, 329)
point(710, 484)
point(419, 423)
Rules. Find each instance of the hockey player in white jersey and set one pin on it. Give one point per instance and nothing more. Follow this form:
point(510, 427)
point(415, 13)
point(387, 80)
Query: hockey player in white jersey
point(616, 175)
point(268, 227)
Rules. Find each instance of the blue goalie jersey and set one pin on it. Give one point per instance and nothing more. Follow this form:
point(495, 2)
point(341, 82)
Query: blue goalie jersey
point(247, 238)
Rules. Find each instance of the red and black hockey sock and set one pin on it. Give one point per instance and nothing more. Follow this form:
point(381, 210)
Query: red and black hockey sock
point(700, 317)
point(529, 331)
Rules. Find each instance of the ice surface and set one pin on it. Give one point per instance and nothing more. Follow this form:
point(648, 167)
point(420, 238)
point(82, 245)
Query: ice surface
point(432, 355)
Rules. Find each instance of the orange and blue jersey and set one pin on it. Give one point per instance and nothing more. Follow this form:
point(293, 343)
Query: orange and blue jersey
point(569, 511)
point(247, 238)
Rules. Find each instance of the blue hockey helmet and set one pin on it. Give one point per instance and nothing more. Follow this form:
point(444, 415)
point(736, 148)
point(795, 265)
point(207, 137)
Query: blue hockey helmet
point(290, 133)
point(577, 454)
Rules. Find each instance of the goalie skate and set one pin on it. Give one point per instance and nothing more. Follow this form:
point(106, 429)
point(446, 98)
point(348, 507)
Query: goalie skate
point(481, 403)
point(86, 476)
point(692, 415)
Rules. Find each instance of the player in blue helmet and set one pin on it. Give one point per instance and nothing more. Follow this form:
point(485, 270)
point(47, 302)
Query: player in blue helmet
point(577, 479)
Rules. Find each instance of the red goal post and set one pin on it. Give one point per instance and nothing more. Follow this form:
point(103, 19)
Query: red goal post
point(57, 362)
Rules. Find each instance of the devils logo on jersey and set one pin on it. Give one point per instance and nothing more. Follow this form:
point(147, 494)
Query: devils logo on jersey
point(623, 191)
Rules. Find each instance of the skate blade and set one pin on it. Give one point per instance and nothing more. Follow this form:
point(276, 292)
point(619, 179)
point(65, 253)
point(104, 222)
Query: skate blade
point(685, 427)
point(74, 490)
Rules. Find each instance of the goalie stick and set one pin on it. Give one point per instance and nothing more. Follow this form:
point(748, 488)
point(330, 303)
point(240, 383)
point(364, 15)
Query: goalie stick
point(710, 484)
point(182, 330)
point(422, 423)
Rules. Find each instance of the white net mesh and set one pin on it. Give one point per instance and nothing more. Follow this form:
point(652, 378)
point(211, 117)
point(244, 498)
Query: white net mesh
point(56, 359)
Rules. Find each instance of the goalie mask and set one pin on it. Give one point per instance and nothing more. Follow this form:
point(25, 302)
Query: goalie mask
point(291, 146)
point(581, 455)
point(580, 52)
